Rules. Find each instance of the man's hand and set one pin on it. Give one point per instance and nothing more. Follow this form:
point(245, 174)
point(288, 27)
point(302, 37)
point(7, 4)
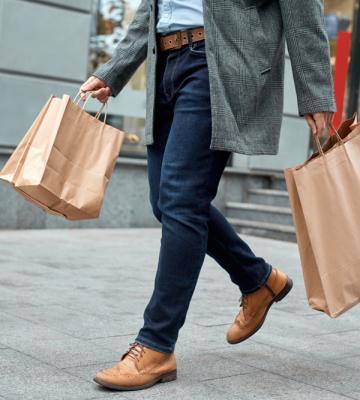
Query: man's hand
point(98, 87)
point(319, 122)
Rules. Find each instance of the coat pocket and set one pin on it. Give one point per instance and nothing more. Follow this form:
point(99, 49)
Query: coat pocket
point(261, 45)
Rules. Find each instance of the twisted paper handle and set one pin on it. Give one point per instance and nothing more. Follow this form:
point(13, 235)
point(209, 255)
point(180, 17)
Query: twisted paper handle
point(317, 141)
point(131, 137)
point(88, 94)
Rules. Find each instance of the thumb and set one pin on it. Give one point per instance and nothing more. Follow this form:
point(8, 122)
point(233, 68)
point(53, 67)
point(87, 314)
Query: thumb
point(311, 122)
point(90, 85)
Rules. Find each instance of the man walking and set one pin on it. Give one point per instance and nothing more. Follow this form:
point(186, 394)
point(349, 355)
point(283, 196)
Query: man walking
point(215, 79)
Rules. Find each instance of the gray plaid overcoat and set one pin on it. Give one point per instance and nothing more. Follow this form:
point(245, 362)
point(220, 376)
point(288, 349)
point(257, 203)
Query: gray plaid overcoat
point(245, 46)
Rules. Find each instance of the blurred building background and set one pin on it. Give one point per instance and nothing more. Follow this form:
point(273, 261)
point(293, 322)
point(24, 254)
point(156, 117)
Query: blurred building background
point(52, 46)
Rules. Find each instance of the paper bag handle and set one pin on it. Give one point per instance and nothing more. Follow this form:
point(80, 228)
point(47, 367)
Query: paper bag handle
point(77, 97)
point(132, 137)
point(317, 141)
point(98, 114)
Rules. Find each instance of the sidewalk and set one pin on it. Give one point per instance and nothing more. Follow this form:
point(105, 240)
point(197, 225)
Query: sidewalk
point(72, 300)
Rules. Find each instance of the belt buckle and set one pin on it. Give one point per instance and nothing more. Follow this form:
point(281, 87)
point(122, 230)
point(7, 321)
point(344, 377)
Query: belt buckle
point(178, 40)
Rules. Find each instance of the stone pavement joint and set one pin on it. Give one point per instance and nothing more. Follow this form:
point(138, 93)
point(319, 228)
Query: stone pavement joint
point(71, 301)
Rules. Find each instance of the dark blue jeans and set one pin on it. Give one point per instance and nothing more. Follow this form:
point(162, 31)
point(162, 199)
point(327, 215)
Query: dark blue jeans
point(184, 175)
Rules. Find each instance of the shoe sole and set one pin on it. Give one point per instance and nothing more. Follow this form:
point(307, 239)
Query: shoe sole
point(283, 293)
point(168, 377)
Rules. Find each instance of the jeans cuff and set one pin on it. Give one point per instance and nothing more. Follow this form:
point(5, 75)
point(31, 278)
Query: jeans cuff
point(153, 346)
point(259, 285)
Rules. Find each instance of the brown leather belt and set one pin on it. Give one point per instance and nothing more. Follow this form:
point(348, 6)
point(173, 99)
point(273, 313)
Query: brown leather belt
point(176, 40)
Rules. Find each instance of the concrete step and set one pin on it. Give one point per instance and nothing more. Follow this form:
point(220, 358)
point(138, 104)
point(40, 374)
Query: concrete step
point(278, 182)
point(259, 212)
point(264, 229)
point(270, 197)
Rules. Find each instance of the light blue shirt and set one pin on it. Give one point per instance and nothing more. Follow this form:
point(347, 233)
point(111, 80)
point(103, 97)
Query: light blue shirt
point(176, 15)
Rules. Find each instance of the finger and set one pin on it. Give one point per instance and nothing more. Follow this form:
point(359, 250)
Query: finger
point(86, 82)
point(83, 92)
point(327, 119)
point(108, 92)
point(103, 99)
point(329, 116)
point(320, 122)
point(331, 119)
point(99, 93)
point(83, 96)
point(321, 127)
point(102, 93)
point(310, 121)
point(88, 85)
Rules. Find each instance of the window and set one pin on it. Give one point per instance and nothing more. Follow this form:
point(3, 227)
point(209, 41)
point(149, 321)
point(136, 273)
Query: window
point(110, 24)
point(339, 17)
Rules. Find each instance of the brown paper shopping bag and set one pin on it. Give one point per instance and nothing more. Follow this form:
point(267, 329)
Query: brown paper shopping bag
point(65, 160)
point(324, 194)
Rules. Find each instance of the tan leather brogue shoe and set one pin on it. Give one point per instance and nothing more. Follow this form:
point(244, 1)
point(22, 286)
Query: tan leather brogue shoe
point(255, 306)
point(139, 368)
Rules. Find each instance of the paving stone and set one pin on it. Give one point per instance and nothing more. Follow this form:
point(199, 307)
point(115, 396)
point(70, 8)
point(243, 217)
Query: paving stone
point(307, 335)
point(196, 339)
point(196, 362)
point(71, 301)
point(61, 387)
point(209, 365)
point(223, 314)
point(109, 396)
point(76, 324)
point(354, 395)
point(349, 362)
point(323, 374)
point(8, 198)
point(88, 371)
point(183, 387)
point(351, 337)
point(35, 296)
point(49, 345)
point(264, 385)
point(23, 377)
point(116, 343)
point(191, 368)
point(14, 362)
point(180, 389)
point(15, 331)
point(312, 346)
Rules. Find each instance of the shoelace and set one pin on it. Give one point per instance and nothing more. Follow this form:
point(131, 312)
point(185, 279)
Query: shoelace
point(243, 301)
point(134, 352)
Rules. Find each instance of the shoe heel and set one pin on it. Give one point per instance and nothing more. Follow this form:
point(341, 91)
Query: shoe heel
point(170, 376)
point(285, 291)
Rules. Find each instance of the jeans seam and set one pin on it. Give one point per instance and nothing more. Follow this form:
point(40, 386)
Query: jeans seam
point(255, 287)
point(174, 91)
point(194, 50)
point(260, 285)
point(151, 345)
point(198, 53)
point(164, 81)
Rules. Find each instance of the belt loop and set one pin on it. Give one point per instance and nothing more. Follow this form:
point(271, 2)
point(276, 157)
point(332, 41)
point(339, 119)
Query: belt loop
point(189, 35)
